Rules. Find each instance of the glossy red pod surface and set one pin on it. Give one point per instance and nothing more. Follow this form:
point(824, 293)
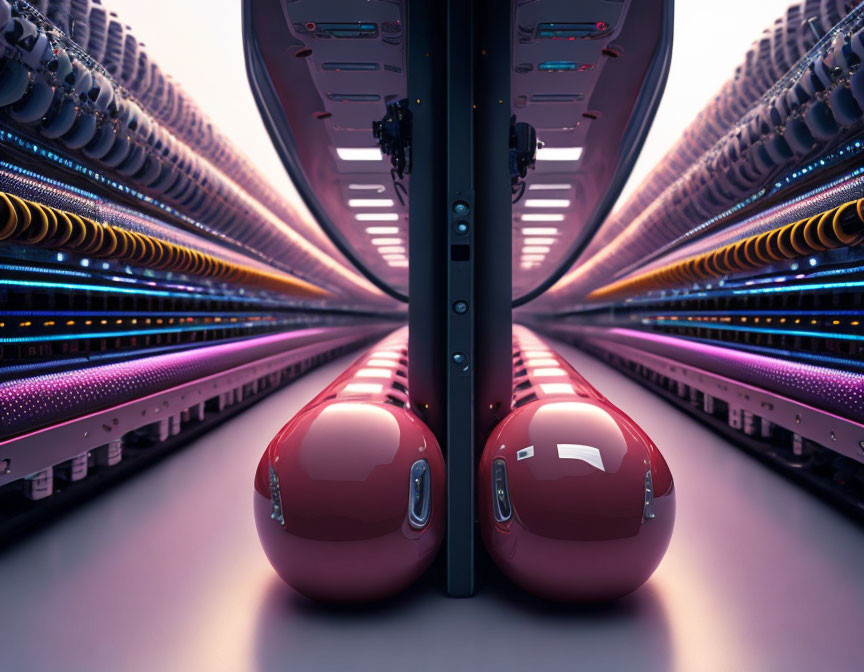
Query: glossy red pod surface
point(585, 521)
point(341, 527)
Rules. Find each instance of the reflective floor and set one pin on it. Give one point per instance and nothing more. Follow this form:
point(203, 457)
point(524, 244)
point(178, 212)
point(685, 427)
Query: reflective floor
point(165, 573)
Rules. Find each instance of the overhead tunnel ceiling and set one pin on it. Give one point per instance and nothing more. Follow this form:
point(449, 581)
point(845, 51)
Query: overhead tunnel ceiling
point(586, 75)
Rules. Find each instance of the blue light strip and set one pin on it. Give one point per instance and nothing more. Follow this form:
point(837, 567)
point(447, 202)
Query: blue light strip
point(143, 332)
point(785, 289)
point(760, 330)
point(130, 290)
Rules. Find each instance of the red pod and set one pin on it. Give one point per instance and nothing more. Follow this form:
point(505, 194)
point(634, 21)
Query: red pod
point(350, 494)
point(575, 501)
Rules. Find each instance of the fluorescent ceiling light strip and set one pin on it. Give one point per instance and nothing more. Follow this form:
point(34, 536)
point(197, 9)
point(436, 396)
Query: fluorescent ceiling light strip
point(535, 249)
point(382, 230)
point(383, 354)
point(548, 187)
point(370, 202)
point(367, 187)
point(386, 241)
point(540, 373)
point(559, 153)
point(540, 231)
point(376, 217)
point(398, 264)
point(359, 153)
point(547, 203)
point(541, 217)
point(394, 257)
point(533, 257)
point(392, 249)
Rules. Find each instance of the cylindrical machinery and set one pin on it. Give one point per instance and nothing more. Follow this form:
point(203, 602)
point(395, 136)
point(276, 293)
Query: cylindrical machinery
point(350, 494)
point(575, 501)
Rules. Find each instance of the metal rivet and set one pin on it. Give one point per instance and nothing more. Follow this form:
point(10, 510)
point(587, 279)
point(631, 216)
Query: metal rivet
point(460, 307)
point(459, 357)
point(461, 208)
point(462, 228)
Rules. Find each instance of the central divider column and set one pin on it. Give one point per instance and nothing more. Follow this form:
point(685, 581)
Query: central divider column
point(460, 244)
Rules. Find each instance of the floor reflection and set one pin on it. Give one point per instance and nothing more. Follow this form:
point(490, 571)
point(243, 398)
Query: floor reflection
point(500, 628)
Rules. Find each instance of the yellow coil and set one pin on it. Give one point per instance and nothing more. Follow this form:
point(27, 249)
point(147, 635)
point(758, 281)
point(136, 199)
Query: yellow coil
point(842, 226)
point(29, 223)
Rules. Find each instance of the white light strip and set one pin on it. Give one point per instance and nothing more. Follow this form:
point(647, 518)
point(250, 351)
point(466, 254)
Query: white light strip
point(392, 249)
point(398, 264)
point(548, 372)
point(374, 373)
point(386, 241)
point(370, 202)
point(540, 231)
point(535, 249)
point(359, 153)
point(383, 354)
point(541, 217)
point(367, 187)
point(559, 153)
point(376, 217)
point(557, 388)
point(533, 363)
point(394, 257)
point(370, 388)
point(547, 203)
point(539, 241)
point(537, 353)
point(548, 187)
point(533, 257)
point(382, 230)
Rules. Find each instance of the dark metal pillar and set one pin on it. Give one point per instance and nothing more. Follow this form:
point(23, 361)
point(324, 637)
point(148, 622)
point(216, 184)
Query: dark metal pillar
point(460, 231)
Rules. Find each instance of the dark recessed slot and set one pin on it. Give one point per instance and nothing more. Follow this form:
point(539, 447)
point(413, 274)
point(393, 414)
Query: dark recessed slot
point(343, 31)
point(394, 401)
point(354, 97)
point(460, 252)
point(399, 386)
point(583, 30)
point(556, 97)
point(350, 67)
point(525, 400)
point(303, 53)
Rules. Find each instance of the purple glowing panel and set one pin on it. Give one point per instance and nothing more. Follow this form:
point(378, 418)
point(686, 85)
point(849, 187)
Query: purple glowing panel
point(839, 392)
point(41, 400)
